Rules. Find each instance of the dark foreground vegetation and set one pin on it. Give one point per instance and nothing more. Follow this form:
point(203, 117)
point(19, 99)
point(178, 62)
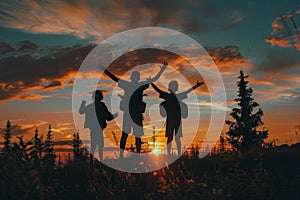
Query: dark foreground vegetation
point(272, 173)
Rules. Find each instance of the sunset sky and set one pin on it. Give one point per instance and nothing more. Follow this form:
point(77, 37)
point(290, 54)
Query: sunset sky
point(43, 44)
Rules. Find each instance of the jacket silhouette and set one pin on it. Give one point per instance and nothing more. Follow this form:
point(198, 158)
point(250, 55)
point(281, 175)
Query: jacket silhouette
point(132, 105)
point(96, 115)
point(174, 109)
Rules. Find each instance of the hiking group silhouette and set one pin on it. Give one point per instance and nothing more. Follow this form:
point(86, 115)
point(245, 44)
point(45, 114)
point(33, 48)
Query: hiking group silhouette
point(133, 107)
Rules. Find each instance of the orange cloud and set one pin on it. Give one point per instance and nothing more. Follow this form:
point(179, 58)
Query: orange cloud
point(227, 56)
point(297, 45)
point(282, 42)
point(285, 31)
point(25, 76)
point(96, 20)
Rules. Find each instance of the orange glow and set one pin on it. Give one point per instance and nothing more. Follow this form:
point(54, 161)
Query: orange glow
point(156, 151)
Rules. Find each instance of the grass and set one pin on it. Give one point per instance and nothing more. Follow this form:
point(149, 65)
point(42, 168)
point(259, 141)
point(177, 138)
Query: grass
point(269, 174)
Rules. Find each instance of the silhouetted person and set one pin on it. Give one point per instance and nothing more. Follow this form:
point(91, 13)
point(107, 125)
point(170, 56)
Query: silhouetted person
point(96, 115)
point(133, 106)
point(174, 108)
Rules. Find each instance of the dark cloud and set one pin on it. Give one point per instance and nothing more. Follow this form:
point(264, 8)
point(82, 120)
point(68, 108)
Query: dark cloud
point(141, 56)
point(53, 84)
point(21, 73)
point(5, 48)
point(228, 56)
point(27, 45)
point(279, 62)
point(149, 55)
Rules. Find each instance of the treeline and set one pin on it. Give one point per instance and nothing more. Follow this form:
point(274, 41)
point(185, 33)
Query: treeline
point(38, 148)
point(31, 170)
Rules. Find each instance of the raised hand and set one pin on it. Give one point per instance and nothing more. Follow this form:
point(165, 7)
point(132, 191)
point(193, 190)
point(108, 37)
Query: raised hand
point(164, 66)
point(199, 83)
point(149, 79)
point(195, 86)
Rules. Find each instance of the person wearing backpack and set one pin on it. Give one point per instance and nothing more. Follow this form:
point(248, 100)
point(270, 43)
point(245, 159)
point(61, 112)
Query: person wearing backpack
point(96, 117)
point(132, 105)
point(174, 109)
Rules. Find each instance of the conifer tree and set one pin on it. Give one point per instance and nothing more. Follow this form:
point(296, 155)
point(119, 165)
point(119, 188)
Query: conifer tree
point(76, 143)
point(49, 156)
point(7, 137)
point(222, 148)
point(37, 148)
point(243, 133)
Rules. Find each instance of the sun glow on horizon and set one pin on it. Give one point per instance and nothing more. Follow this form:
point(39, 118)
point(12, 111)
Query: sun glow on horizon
point(157, 151)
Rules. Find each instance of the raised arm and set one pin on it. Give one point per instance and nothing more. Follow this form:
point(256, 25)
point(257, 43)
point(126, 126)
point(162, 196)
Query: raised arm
point(162, 69)
point(109, 74)
point(157, 89)
point(194, 87)
point(112, 76)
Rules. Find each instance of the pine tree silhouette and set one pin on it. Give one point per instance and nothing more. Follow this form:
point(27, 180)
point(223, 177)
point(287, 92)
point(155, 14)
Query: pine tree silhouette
point(38, 144)
point(222, 149)
point(77, 151)
point(243, 134)
point(37, 149)
point(24, 148)
point(7, 137)
point(49, 156)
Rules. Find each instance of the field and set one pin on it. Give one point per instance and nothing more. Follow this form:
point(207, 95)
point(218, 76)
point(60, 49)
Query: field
point(271, 173)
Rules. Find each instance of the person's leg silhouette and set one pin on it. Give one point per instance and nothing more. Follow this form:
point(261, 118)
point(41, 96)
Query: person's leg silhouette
point(178, 144)
point(178, 135)
point(123, 143)
point(138, 131)
point(169, 135)
point(93, 143)
point(126, 128)
point(169, 143)
point(101, 145)
point(138, 144)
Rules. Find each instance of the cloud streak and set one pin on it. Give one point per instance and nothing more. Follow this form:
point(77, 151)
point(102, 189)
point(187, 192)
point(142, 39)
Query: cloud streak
point(285, 31)
point(96, 20)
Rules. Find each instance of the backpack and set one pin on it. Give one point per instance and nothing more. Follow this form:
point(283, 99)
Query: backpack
point(162, 109)
point(184, 110)
point(124, 105)
point(183, 107)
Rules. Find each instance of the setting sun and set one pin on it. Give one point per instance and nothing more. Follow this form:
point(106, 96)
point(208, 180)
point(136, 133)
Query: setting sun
point(156, 151)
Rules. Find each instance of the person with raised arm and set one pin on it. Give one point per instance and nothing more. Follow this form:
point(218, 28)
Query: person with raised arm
point(96, 115)
point(132, 105)
point(174, 110)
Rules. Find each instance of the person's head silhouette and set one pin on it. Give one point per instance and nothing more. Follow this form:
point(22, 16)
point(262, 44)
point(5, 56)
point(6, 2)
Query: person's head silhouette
point(173, 86)
point(135, 76)
point(97, 95)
